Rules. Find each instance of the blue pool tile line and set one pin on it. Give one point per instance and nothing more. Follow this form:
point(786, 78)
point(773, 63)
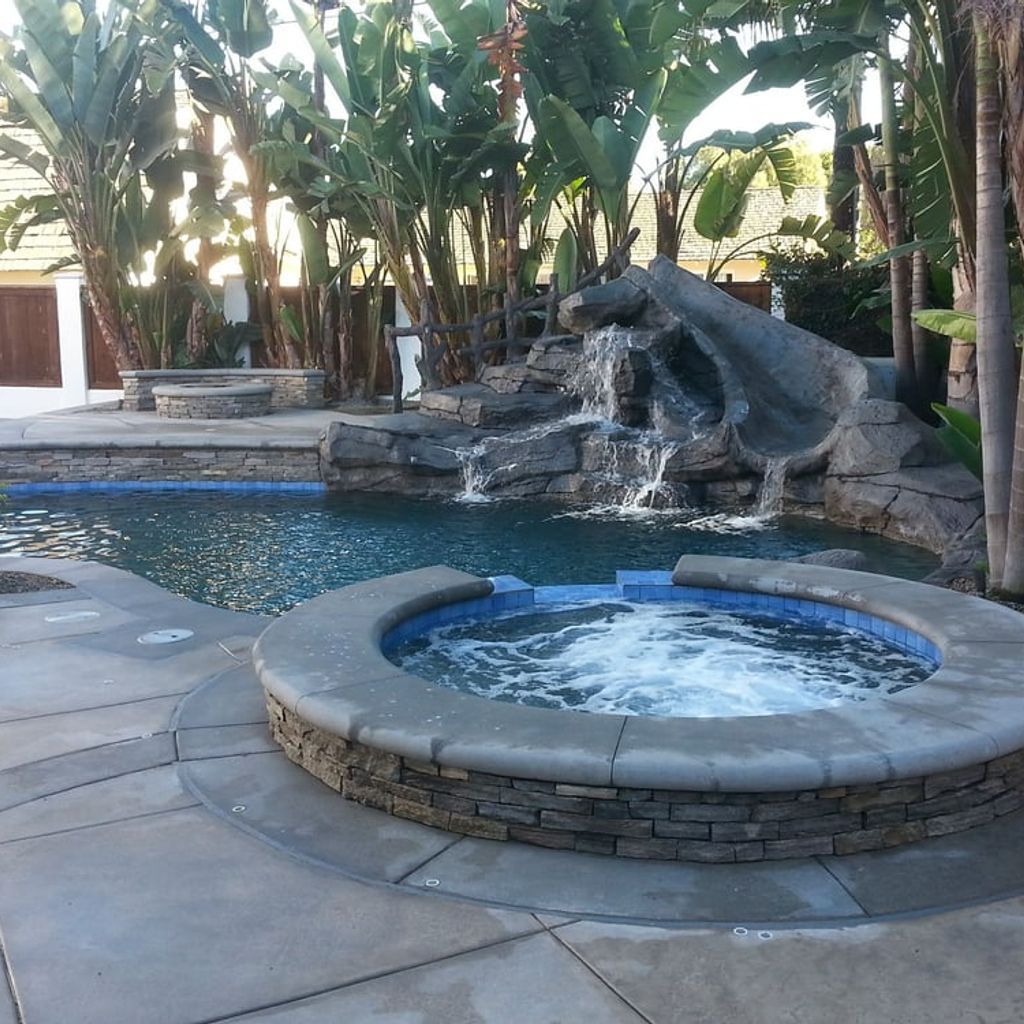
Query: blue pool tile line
point(577, 593)
point(511, 593)
point(121, 486)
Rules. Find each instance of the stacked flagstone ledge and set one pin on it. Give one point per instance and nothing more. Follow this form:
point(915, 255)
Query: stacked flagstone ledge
point(941, 757)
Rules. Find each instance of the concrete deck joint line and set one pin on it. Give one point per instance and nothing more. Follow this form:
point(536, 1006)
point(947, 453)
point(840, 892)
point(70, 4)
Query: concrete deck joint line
point(376, 976)
point(600, 977)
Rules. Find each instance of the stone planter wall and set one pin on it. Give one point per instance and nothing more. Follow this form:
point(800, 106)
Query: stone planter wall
point(652, 823)
point(295, 389)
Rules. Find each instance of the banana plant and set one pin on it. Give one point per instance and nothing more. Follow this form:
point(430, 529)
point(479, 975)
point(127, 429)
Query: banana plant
point(215, 43)
point(98, 105)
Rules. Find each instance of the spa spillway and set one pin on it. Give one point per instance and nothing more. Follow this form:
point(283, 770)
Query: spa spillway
point(929, 744)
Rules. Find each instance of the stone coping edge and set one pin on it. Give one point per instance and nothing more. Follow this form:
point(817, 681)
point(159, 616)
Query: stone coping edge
point(202, 390)
point(216, 372)
point(324, 661)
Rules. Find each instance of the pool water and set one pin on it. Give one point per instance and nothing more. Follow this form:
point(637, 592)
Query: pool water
point(264, 552)
point(660, 659)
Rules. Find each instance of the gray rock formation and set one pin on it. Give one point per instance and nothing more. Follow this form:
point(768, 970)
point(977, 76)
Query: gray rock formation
point(675, 391)
point(836, 558)
point(617, 302)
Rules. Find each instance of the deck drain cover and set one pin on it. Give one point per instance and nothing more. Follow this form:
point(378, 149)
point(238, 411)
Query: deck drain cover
point(165, 636)
point(72, 616)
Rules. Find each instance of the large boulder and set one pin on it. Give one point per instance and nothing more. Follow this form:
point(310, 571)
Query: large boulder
point(876, 436)
point(617, 302)
point(406, 453)
point(476, 405)
point(932, 506)
point(514, 378)
point(836, 558)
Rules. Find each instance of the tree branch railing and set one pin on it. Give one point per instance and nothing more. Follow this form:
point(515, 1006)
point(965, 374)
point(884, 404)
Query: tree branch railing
point(436, 341)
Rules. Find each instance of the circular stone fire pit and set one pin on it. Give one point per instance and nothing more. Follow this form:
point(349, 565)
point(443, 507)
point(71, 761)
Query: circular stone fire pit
point(940, 757)
point(212, 401)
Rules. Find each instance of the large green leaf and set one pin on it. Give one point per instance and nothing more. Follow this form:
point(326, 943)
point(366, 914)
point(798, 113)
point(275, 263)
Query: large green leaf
point(323, 53)
point(951, 323)
point(84, 66)
point(17, 150)
point(247, 25)
point(821, 231)
point(723, 200)
point(566, 261)
point(113, 66)
point(574, 144)
point(28, 104)
point(53, 90)
point(691, 88)
point(961, 436)
point(314, 251)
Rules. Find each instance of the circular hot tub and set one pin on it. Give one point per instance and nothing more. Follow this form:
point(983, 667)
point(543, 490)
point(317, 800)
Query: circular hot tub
point(212, 401)
point(882, 763)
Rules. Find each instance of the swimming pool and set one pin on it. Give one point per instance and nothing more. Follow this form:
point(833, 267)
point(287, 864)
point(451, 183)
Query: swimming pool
point(265, 552)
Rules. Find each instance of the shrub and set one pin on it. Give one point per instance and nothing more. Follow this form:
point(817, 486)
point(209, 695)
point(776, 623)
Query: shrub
point(830, 300)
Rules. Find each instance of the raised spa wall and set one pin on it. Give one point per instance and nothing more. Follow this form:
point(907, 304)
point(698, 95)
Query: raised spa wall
point(723, 822)
point(290, 389)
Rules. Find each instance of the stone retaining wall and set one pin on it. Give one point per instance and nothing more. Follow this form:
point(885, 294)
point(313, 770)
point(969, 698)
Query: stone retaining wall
point(100, 464)
point(650, 823)
point(297, 389)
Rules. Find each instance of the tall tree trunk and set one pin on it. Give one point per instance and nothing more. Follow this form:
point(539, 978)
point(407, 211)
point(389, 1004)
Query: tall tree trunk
point(899, 269)
point(666, 211)
point(923, 363)
point(866, 176)
point(196, 340)
point(844, 164)
point(1011, 52)
point(996, 356)
point(1011, 60)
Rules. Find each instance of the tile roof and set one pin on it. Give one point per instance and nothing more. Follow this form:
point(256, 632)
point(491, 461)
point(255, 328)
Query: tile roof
point(765, 210)
point(40, 246)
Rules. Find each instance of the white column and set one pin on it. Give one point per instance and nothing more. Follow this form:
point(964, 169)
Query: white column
point(236, 309)
point(74, 366)
point(408, 349)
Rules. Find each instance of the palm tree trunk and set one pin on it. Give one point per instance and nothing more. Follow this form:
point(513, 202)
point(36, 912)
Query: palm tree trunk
point(1011, 52)
point(996, 356)
point(899, 270)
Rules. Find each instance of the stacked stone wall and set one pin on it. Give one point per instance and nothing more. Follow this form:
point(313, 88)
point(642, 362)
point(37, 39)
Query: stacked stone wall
point(656, 824)
point(104, 464)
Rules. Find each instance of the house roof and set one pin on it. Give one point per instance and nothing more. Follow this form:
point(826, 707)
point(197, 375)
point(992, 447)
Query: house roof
point(765, 210)
point(40, 246)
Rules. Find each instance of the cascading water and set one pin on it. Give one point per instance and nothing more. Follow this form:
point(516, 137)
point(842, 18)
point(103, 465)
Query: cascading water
point(655, 458)
point(475, 477)
point(627, 464)
point(773, 486)
point(594, 380)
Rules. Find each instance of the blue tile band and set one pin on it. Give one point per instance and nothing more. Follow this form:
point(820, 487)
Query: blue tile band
point(120, 486)
point(511, 594)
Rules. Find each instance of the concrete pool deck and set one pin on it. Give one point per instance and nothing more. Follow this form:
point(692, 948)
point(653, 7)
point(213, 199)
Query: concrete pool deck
point(161, 862)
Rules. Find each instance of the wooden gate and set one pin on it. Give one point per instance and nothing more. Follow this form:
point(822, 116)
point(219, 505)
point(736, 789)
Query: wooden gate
point(100, 363)
point(753, 293)
point(29, 343)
